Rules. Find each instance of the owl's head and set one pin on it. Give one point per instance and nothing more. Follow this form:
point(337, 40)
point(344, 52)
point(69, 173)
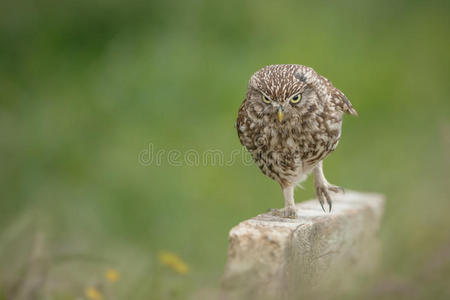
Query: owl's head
point(279, 93)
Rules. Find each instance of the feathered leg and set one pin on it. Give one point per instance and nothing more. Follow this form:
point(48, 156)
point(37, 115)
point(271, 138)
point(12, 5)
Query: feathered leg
point(289, 204)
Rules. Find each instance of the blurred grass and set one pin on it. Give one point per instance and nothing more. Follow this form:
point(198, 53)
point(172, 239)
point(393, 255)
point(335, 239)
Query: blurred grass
point(86, 85)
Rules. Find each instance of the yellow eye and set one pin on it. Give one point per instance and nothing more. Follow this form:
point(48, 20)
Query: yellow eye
point(296, 99)
point(266, 100)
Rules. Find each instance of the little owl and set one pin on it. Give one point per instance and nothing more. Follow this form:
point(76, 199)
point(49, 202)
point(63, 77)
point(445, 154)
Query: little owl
point(290, 121)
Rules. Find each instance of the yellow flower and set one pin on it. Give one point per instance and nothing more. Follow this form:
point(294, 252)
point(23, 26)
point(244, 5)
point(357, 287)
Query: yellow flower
point(172, 261)
point(93, 294)
point(112, 275)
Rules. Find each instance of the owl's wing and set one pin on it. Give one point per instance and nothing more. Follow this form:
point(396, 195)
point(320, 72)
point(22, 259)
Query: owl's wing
point(339, 98)
point(241, 120)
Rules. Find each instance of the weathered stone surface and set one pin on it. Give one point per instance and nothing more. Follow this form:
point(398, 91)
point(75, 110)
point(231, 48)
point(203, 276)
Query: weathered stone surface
point(270, 256)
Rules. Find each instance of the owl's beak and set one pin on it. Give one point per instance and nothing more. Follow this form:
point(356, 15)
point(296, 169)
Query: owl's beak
point(280, 114)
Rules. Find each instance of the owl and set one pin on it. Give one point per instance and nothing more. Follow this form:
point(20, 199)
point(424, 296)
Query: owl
point(290, 121)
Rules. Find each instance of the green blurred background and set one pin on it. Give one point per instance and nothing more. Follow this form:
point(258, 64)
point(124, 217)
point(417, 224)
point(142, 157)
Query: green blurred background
point(85, 86)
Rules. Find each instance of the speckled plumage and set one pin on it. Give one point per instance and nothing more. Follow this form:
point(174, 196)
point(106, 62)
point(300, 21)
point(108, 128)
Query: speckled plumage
point(288, 150)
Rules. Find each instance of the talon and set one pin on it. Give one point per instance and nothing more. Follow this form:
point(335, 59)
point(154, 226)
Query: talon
point(323, 187)
point(322, 192)
point(327, 196)
point(320, 198)
point(321, 204)
point(336, 189)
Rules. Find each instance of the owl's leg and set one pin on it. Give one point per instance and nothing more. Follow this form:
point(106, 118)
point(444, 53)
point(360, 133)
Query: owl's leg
point(323, 187)
point(289, 204)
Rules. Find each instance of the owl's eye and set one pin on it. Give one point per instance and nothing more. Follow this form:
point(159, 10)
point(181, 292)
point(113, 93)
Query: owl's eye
point(266, 100)
point(296, 99)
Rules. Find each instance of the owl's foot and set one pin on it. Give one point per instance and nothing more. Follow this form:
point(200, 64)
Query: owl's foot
point(323, 187)
point(290, 212)
point(323, 194)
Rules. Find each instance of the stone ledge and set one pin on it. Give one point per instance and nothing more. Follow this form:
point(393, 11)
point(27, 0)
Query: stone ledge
point(270, 256)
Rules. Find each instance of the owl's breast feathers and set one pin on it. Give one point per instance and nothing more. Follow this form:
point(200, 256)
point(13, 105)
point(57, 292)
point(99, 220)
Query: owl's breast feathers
point(283, 151)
